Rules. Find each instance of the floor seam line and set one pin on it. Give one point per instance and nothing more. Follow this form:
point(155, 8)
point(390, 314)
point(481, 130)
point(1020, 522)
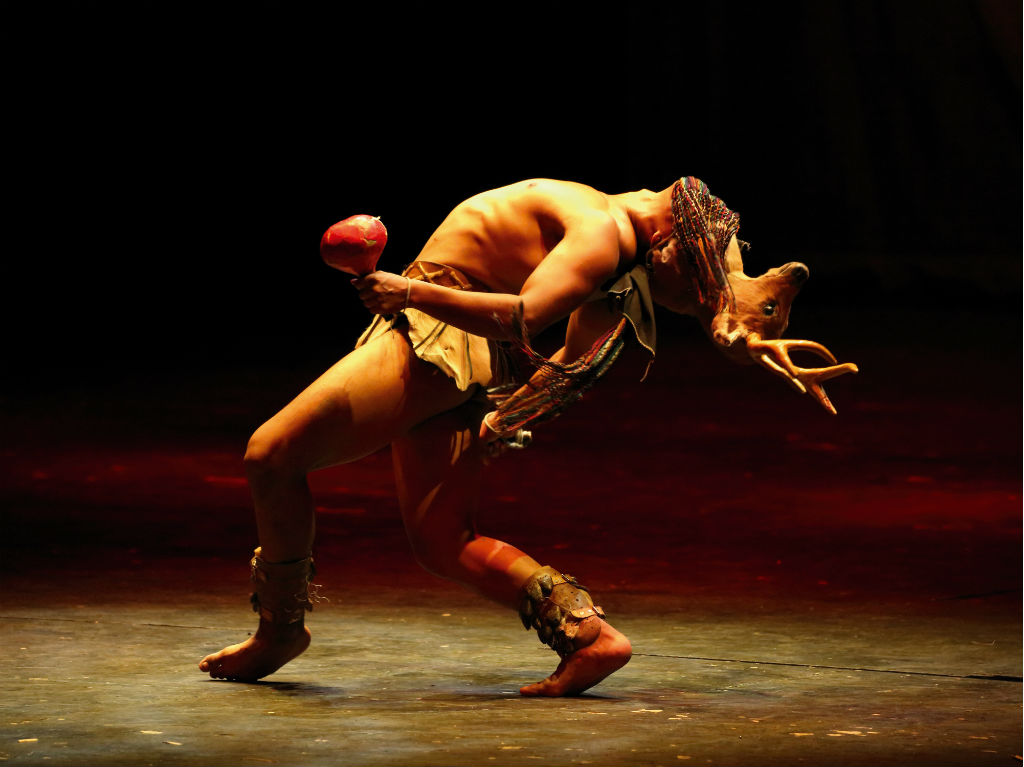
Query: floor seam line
point(981, 677)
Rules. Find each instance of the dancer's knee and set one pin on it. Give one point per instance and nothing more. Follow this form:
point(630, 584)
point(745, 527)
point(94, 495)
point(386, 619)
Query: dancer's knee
point(435, 561)
point(267, 458)
point(440, 555)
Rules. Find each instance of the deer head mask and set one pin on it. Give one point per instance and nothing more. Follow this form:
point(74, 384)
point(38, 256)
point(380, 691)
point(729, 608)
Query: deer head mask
point(749, 314)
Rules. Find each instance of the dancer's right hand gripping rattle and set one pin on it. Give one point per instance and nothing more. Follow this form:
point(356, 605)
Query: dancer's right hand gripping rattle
point(354, 245)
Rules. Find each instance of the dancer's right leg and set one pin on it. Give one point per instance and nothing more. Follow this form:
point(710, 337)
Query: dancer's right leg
point(437, 472)
point(375, 394)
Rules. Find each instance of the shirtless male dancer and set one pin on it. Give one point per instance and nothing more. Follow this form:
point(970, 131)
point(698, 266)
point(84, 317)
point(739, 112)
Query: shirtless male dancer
point(531, 253)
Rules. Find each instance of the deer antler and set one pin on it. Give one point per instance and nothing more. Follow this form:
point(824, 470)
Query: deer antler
point(774, 355)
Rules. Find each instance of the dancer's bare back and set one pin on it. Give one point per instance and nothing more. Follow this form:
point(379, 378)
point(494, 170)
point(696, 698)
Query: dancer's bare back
point(547, 244)
point(501, 236)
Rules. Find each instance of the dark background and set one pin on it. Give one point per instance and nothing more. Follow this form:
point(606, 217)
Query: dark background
point(170, 168)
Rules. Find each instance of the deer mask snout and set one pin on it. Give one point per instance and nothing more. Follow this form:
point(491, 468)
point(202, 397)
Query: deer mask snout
point(762, 306)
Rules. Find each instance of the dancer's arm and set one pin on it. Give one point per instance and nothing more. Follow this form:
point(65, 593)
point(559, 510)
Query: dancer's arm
point(586, 325)
point(587, 256)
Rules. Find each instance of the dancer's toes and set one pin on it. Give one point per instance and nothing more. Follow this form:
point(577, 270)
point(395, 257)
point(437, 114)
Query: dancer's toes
point(546, 688)
point(211, 664)
point(259, 655)
point(585, 667)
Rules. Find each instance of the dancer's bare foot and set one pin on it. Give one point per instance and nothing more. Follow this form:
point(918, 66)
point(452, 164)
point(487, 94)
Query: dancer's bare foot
point(260, 655)
point(586, 667)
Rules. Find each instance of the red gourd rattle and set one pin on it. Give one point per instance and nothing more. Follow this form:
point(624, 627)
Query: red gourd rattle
point(354, 245)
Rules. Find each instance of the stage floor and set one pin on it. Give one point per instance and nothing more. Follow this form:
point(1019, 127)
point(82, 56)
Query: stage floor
point(798, 588)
